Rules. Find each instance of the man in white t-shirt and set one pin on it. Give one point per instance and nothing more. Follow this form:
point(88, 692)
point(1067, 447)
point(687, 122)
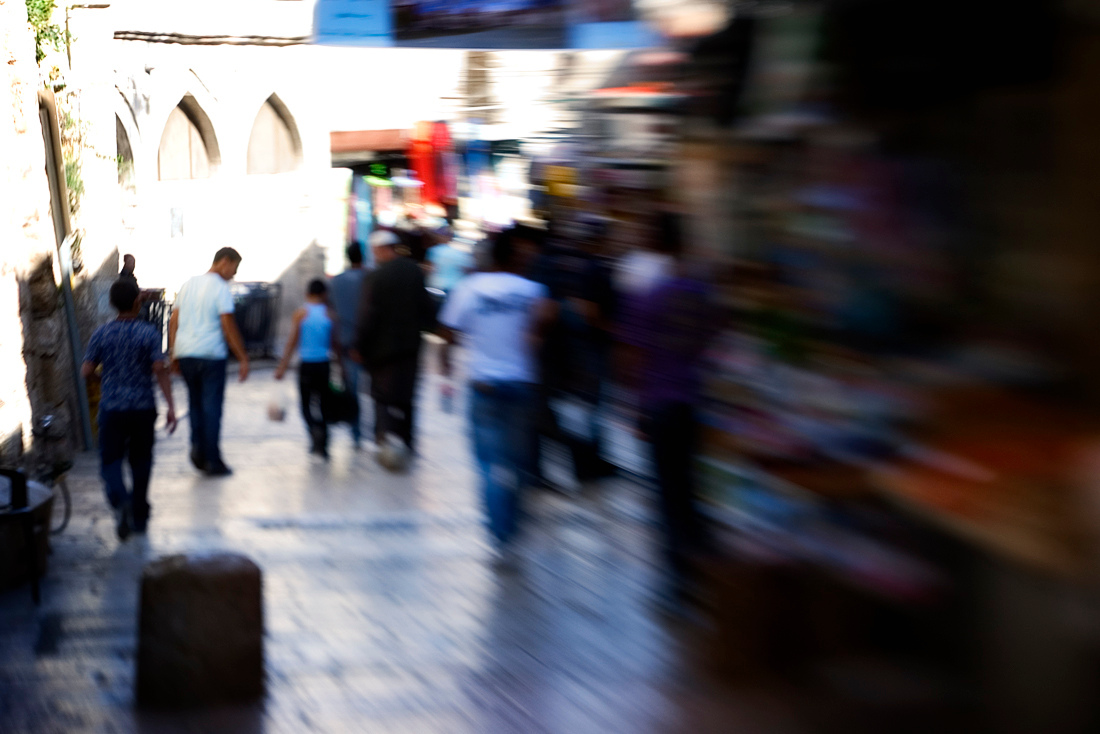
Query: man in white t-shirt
point(201, 333)
point(502, 316)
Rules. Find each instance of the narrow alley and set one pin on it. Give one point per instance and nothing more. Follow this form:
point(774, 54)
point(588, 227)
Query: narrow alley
point(384, 609)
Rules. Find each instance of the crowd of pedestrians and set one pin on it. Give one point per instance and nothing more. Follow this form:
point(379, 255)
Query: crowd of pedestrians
point(550, 320)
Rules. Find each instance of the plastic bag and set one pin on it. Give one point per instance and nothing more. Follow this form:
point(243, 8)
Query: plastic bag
point(280, 402)
point(339, 405)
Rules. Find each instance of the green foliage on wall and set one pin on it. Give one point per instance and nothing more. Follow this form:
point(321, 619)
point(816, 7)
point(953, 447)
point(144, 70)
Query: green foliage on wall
point(39, 15)
point(72, 149)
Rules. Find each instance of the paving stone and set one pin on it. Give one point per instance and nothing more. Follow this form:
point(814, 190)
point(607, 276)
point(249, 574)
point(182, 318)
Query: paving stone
point(384, 610)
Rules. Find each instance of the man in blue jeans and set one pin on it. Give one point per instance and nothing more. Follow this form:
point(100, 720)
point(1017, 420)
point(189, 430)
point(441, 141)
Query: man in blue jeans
point(201, 334)
point(345, 290)
point(502, 316)
point(127, 354)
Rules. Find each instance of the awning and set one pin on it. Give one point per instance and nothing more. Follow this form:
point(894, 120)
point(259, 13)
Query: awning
point(354, 146)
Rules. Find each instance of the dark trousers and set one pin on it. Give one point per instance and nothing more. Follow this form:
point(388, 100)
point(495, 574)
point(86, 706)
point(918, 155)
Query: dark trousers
point(581, 382)
point(351, 384)
point(585, 387)
point(205, 380)
point(127, 435)
point(673, 435)
point(586, 450)
point(543, 424)
point(312, 387)
point(393, 388)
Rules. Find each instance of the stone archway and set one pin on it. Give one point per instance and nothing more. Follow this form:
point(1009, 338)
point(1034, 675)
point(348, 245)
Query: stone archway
point(274, 145)
point(188, 145)
point(124, 151)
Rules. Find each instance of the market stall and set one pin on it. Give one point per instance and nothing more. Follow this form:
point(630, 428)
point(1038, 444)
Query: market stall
point(887, 420)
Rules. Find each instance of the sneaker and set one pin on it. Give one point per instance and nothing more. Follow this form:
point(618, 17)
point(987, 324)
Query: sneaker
point(318, 445)
point(123, 521)
point(602, 469)
point(506, 558)
point(218, 470)
point(393, 456)
point(139, 524)
point(545, 485)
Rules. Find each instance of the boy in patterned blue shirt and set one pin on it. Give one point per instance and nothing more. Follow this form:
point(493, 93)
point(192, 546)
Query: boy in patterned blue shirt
point(130, 353)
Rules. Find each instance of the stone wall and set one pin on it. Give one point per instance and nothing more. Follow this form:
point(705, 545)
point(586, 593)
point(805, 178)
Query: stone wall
point(50, 377)
point(35, 369)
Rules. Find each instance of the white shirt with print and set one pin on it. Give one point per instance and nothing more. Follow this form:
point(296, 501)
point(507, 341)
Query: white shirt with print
point(200, 304)
point(496, 312)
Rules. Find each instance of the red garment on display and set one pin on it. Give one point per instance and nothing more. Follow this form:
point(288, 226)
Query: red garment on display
point(446, 169)
point(421, 160)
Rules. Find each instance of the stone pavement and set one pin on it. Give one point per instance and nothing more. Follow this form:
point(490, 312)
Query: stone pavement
point(384, 610)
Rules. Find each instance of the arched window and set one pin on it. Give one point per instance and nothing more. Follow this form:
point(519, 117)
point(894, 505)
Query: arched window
point(125, 153)
point(274, 146)
point(188, 148)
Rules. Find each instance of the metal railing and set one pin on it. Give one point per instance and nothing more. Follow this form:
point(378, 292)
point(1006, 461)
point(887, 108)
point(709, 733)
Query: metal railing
point(257, 315)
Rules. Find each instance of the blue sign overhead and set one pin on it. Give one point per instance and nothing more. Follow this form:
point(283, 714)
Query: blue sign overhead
point(485, 24)
point(622, 34)
point(353, 23)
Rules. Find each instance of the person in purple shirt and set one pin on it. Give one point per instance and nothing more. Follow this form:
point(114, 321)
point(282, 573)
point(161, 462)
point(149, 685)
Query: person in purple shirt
point(665, 333)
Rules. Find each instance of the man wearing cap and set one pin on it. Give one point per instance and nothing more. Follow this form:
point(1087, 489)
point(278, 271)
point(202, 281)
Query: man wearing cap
point(394, 307)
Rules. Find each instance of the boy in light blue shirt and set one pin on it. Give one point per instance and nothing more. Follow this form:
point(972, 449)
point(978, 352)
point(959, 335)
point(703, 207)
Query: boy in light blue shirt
point(313, 333)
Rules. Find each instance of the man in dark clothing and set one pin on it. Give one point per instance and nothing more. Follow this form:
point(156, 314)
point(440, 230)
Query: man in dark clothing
point(575, 355)
point(129, 262)
point(394, 308)
point(146, 299)
point(666, 334)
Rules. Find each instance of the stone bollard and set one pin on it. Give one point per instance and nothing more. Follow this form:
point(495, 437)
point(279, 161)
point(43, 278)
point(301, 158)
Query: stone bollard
point(200, 632)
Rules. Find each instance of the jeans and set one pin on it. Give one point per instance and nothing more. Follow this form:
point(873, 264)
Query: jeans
point(351, 384)
point(312, 387)
point(501, 424)
point(205, 380)
point(127, 435)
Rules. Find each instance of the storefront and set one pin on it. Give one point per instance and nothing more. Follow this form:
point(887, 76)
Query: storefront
point(888, 444)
